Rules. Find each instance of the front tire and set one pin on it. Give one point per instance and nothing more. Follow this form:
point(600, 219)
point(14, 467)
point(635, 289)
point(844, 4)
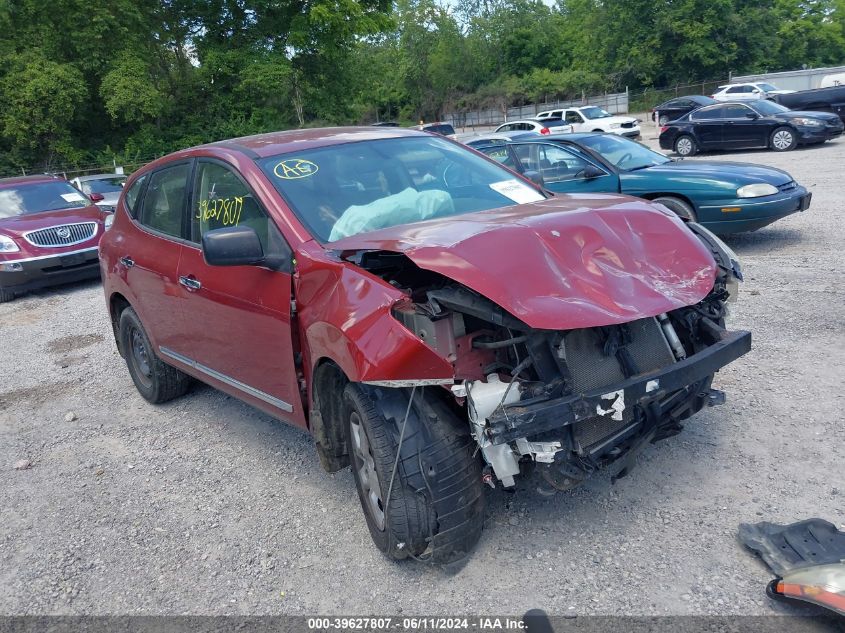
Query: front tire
point(436, 501)
point(156, 381)
point(783, 139)
point(7, 295)
point(681, 208)
point(685, 146)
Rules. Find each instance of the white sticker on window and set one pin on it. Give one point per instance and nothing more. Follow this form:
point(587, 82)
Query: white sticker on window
point(72, 197)
point(516, 191)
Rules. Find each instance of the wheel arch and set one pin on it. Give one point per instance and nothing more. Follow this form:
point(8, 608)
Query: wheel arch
point(117, 304)
point(325, 420)
point(671, 194)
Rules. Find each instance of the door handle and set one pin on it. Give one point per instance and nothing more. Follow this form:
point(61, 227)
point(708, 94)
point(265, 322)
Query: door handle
point(127, 261)
point(190, 283)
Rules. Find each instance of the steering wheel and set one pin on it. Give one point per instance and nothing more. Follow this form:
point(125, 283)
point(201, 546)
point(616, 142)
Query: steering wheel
point(625, 157)
point(458, 178)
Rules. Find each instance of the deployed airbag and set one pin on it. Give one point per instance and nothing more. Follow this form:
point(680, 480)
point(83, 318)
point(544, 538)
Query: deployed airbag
point(407, 206)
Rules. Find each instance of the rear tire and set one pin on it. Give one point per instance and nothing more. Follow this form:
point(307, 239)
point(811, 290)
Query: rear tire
point(156, 381)
point(783, 139)
point(436, 507)
point(681, 208)
point(685, 145)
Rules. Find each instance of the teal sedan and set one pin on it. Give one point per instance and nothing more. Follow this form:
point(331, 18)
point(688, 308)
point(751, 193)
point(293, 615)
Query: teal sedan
point(724, 197)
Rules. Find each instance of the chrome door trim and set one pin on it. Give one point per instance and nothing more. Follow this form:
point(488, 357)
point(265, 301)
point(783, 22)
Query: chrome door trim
point(237, 384)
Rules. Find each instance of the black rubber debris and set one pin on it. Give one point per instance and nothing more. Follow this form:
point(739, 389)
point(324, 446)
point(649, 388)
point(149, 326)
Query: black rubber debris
point(788, 547)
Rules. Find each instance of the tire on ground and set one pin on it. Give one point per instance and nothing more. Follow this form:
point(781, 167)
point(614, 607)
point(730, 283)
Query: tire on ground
point(436, 506)
point(7, 295)
point(780, 136)
point(163, 382)
point(681, 146)
point(679, 207)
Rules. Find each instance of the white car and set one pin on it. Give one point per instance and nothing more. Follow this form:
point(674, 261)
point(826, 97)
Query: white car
point(748, 92)
point(549, 126)
point(595, 119)
point(105, 188)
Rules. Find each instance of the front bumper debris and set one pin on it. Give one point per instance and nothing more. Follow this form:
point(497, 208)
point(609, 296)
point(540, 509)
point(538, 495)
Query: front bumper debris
point(650, 391)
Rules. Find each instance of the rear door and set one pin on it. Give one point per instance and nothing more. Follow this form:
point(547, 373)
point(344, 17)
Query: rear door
point(239, 316)
point(708, 123)
point(563, 170)
point(149, 252)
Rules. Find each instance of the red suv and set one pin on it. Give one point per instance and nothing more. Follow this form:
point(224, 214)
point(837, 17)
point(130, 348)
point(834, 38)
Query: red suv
point(432, 319)
point(49, 233)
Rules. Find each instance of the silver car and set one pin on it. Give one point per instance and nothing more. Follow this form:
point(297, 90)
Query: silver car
point(108, 186)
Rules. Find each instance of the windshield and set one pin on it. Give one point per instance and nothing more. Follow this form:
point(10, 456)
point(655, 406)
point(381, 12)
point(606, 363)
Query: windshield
point(24, 199)
point(623, 153)
point(103, 185)
point(595, 113)
point(768, 107)
point(766, 87)
point(344, 190)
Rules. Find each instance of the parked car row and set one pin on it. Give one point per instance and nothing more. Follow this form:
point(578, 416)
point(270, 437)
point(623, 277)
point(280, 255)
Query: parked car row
point(724, 197)
point(748, 125)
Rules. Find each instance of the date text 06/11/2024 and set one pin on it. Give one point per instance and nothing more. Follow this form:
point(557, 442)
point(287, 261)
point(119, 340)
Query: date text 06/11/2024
point(376, 624)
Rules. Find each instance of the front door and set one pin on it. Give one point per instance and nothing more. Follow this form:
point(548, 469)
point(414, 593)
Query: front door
point(563, 170)
point(742, 127)
point(240, 316)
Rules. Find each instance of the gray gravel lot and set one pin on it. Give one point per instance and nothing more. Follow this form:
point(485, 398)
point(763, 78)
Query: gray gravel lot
point(205, 505)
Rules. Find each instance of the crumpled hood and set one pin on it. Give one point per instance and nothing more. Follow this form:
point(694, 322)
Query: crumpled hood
point(612, 119)
point(568, 262)
point(808, 114)
point(703, 172)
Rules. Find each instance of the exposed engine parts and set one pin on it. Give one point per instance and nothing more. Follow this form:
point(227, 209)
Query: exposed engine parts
point(568, 401)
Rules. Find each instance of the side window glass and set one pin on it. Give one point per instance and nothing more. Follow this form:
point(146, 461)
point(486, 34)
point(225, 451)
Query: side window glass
point(735, 112)
point(222, 200)
point(164, 202)
point(523, 153)
point(132, 194)
point(707, 113)
point(573, 117)
point(558, 165)
point(500, 154)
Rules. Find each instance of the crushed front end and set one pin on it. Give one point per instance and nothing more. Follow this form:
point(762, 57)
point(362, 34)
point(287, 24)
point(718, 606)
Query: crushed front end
point(568, 402)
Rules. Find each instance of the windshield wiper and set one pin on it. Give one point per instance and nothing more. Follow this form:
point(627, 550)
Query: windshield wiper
point(638, 167)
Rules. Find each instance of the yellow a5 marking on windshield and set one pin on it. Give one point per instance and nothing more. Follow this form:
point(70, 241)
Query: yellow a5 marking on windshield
point(293, 168)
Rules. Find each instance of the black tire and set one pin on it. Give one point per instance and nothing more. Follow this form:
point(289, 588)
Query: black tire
point(783, 139)
point(681, 208)
point(436, 506)
point(156, 381)
point(685, 145)
point(7, 295)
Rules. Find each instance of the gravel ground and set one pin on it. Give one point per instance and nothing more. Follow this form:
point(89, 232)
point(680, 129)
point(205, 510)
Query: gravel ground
point(207, 506)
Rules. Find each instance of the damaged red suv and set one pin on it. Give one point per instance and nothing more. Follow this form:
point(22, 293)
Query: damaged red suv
point(431, 318)
point(49, 233)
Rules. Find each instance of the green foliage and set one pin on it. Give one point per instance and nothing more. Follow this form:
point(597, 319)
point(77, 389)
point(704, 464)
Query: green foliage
point(132, 79)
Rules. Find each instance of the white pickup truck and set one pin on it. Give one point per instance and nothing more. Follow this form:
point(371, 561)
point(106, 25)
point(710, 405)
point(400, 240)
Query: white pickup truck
point(594, 119)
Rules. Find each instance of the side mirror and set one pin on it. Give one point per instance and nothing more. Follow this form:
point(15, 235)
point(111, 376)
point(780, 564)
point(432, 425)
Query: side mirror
point(536, 177)
point(591, 171)
point(232, 246)
point(96, 197)
point(752, 115)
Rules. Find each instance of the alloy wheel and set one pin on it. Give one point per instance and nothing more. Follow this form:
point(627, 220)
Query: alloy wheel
point(366, 469)
point(782, 139)
point(684, 146)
